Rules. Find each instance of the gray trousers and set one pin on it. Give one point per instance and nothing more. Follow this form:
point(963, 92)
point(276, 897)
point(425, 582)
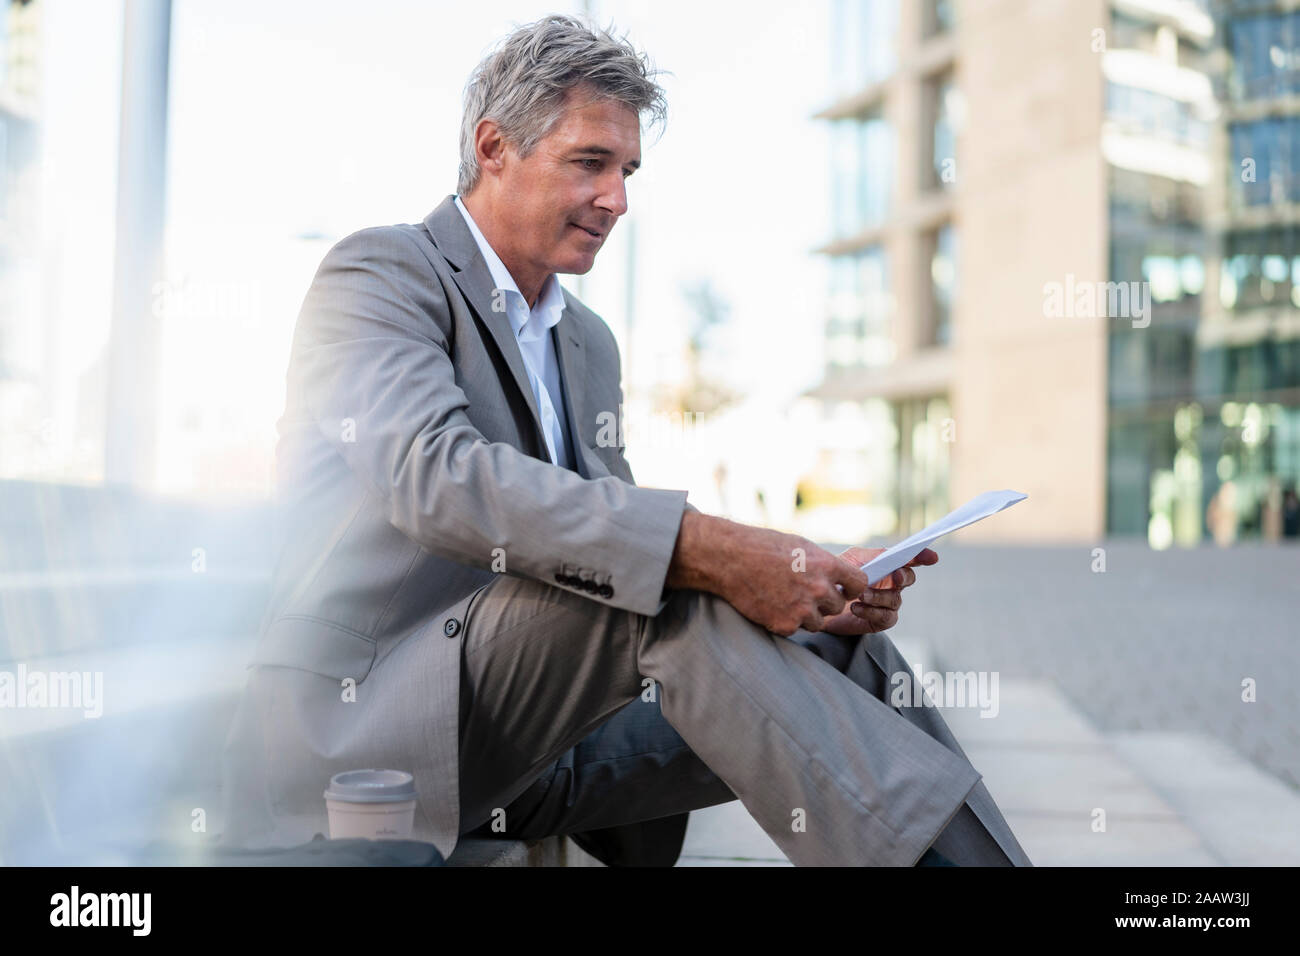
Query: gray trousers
point(577, 716)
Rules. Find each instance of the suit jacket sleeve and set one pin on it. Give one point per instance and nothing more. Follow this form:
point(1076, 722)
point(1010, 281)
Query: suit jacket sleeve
point(372, 363)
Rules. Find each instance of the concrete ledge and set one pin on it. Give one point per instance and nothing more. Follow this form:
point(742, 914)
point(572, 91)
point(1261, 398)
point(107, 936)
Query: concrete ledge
point(551, 851)
point(1050, 771)
point(478, 852)
point(1244, 816)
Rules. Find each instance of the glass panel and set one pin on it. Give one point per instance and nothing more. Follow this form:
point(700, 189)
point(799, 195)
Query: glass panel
point(939, 17)
point(859, 329)
point(862, 154)
point(864, 34)
point(1259, 270)
point(1145, 112)
point(924, 464)
point(943, 283)
point(1265, 55)
point(1264, 160)
point(943, 106)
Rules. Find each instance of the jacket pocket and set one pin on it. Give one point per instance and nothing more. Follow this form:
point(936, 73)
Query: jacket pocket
point(316, 646)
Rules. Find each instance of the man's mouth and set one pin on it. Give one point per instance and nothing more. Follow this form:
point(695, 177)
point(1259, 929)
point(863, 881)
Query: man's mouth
point(589, 232)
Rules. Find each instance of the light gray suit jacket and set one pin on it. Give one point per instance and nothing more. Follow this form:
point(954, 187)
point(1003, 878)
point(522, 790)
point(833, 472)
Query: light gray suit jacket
point(410, 451)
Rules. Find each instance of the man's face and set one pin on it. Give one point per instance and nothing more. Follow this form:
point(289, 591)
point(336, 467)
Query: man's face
point(571, 186)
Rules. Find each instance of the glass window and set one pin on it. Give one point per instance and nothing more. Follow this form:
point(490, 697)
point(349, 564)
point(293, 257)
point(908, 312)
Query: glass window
point(1265, 55)
point(1131, 33)
point(1148, 113)
point(862, 159)
point(925, 427)
point(844, 179)
point(943, 106)
point(844, 325)
point(878, 307)
point(1140, 201)
point(859, 328)
point(939, 17)
point(863, 43)
point(1260, 269)
point(943, 283)
point(1265, 159)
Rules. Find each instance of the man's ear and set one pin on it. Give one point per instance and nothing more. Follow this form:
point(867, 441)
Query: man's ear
point(490, 145)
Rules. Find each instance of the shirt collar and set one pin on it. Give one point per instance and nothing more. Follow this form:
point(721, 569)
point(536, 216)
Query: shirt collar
point(550, 303)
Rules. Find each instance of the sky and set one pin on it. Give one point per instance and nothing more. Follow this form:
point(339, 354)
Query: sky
point(292, 118)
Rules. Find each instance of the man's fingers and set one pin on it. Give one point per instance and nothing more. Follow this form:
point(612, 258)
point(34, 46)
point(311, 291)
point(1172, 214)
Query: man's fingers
point(850, 577)
point(879, 597)
point(831, 603)
point(880, 618)
point(904, 577)
point(927, 557)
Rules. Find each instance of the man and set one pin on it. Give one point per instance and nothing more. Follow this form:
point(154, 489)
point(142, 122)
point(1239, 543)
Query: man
point(474, 589)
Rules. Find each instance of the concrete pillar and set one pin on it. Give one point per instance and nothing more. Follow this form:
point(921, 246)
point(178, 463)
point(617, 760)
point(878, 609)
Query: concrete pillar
point(131, 411)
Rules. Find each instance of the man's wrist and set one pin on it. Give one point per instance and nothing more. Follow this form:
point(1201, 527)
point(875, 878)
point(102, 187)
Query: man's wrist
point(697, 557)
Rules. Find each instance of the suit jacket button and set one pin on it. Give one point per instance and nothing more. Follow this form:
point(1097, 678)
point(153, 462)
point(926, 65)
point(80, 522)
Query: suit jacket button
point(562, 578)
point(451, 627)
point(589, 587)
point(605, 591)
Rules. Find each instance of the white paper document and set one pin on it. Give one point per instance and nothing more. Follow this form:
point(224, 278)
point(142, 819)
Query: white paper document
point(981, 506)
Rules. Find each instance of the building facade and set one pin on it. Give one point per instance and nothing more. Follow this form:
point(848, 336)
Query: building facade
point(1061, 264)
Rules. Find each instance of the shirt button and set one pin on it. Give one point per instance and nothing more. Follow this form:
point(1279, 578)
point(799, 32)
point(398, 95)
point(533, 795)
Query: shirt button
point(451, 627)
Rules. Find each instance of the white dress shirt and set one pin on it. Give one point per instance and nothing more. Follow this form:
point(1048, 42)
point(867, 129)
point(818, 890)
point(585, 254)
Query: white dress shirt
point(532, 329)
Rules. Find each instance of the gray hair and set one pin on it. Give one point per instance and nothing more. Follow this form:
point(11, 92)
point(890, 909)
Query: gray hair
point(522, 85)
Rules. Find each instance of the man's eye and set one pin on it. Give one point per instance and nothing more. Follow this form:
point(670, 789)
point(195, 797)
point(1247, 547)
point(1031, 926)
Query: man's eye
point(626, 172)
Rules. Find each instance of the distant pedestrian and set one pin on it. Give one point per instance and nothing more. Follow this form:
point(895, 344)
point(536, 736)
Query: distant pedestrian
point(1290, 513)
point(1221, 515)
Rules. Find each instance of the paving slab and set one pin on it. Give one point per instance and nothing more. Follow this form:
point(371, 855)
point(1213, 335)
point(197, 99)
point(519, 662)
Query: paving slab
point(1246, 817)
point(1069, 797)
point(726, 835)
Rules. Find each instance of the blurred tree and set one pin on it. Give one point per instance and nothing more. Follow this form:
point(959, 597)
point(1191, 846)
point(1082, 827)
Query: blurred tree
point(698, 393)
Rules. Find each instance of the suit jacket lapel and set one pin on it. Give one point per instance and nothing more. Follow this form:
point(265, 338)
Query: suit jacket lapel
point(573, 374)
point(452, 237)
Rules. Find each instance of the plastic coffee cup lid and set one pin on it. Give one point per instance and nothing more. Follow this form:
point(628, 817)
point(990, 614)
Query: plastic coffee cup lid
point(371, 786)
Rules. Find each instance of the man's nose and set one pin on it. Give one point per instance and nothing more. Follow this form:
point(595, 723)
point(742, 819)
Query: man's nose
point(613, 198)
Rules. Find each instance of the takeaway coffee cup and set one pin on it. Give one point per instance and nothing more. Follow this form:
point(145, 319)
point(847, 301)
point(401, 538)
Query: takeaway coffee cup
point(373, 804)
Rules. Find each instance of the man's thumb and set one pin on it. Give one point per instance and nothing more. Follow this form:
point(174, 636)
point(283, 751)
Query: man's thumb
point(860, 556)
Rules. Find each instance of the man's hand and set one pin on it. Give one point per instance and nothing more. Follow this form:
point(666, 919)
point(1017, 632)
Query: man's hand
point(876, 609)
point(781, 582)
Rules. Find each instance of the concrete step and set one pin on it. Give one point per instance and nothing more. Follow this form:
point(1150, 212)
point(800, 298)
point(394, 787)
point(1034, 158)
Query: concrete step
point(54, 612)
point(552, 851)
point(1243, 815)
point(131, 678)
point(131, 845)
point(46, 526)
point(1058, 782)
point(726, 835)
point(165, 712)
point(91, 791)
